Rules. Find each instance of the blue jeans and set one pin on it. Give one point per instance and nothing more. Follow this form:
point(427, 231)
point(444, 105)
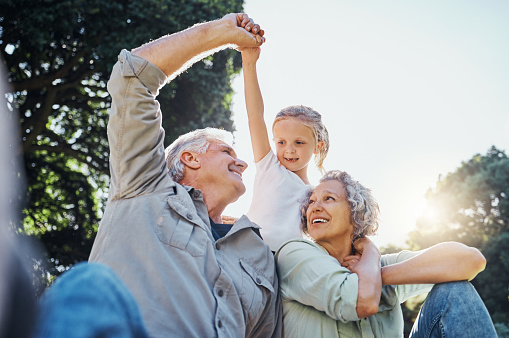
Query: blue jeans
point(89, 301)
point(453, 310)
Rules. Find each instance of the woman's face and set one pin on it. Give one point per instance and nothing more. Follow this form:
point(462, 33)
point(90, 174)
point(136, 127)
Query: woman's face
point(328, 214)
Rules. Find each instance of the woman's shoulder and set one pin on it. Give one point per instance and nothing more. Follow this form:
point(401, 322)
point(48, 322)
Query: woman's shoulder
point(298, 246)
point(297, 242)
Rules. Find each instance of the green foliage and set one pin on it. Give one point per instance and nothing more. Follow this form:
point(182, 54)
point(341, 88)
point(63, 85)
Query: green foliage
point(389, 249)
point(59, 54)
point(410, 311)
point(493, 283)
point(471, 206)
point(502, 330)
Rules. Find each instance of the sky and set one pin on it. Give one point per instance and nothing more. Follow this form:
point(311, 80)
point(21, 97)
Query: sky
point(407, 89)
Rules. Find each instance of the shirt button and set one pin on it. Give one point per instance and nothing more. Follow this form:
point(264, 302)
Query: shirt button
point(189, 216)
point(219, 324)
point(196, 194)
point(258, 280)
point(220, 293)
point(217, 246)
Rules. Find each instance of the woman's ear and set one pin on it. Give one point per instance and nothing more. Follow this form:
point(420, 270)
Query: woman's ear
point(190, 159)
point(319, 146)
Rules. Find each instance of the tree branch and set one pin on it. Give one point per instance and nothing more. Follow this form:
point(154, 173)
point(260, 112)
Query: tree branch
point(41, 119)
point(100, 164)
point(47, 79)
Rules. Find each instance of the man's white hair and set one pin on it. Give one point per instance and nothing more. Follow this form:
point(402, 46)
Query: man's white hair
point(197, 141)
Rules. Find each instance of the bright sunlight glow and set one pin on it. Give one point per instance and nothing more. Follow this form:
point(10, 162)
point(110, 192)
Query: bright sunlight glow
point(408, 90)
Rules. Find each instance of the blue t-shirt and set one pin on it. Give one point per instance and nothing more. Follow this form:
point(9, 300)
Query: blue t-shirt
point(219, 230)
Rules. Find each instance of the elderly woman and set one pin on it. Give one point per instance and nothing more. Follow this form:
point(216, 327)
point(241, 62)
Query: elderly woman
point(337, 285)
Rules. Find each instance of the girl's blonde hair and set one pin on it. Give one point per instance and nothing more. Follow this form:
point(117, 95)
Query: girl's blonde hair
point(312, 119)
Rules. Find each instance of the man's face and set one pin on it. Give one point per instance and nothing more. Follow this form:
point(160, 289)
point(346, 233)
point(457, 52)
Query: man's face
point(222, 170)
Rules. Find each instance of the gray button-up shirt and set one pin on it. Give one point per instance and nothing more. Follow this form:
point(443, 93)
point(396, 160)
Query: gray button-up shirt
point(156, 234)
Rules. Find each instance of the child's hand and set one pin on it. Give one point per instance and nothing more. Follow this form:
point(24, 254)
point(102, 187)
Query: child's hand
point(250, 55)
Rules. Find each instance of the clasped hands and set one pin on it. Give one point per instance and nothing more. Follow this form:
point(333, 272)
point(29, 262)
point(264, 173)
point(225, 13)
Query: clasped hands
point(361, 245)
point(251, 35)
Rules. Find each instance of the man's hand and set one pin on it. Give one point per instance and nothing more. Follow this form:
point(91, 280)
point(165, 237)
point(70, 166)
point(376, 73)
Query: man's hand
point(247, 23)
point(243, 32)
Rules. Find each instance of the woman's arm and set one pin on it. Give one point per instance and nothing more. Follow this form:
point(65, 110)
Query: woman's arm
point(254, 104)
point(444, 262)
point(367, 267)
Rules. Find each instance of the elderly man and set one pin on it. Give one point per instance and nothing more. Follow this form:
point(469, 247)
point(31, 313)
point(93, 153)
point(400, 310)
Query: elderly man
point(161, 231)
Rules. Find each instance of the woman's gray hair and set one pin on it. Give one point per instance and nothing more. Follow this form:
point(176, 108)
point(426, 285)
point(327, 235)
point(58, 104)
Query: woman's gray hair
point(197, 141)
point(312, 119)
point(364, 208)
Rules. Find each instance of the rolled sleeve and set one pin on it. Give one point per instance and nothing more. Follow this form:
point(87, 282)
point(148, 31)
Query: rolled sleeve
point(310, 276)
point(135, 133)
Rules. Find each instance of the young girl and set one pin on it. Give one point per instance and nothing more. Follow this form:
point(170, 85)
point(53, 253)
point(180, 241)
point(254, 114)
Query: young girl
point(281, 179)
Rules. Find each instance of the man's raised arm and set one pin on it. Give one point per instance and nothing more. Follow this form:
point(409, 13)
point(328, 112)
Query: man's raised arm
point(176, 52)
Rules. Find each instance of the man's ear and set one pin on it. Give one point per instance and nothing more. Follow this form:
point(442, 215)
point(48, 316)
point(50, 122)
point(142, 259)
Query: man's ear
point(190, 159)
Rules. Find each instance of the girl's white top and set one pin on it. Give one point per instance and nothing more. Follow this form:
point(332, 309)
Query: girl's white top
point(277, 196)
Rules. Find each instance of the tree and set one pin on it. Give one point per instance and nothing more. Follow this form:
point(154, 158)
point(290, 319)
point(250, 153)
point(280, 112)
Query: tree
point(471, 206)
point(59, 54)
point(493, 283)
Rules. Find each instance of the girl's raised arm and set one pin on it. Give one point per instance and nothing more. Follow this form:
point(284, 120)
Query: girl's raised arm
point(254, 104)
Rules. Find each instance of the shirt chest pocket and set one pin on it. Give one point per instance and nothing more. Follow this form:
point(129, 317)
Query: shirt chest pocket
point(177, 231)
point(255, 292)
